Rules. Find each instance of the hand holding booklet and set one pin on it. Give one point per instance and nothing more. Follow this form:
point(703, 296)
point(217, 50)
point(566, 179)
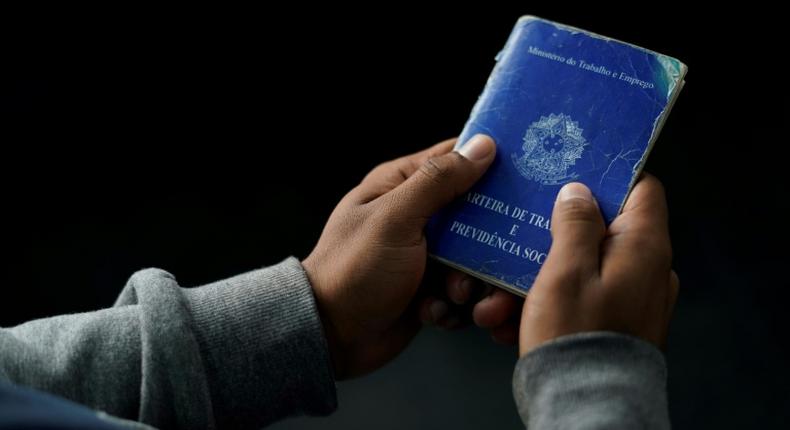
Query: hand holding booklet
point(563, 105)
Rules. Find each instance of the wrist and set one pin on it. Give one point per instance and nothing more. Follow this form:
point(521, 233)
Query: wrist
point(330, 330)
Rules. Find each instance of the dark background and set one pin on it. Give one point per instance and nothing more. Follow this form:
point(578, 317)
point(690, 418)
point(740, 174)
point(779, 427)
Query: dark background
point(210, 142)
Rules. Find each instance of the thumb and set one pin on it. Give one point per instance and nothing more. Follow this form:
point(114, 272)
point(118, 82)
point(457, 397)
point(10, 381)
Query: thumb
point(441, 179)
point(577, 229)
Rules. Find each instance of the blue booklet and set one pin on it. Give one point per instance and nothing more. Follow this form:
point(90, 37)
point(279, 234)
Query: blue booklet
point(563, 105)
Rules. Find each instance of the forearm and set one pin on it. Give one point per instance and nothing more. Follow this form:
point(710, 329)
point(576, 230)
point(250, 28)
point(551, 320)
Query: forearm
point(596, 380)
point(92, 358)
point(241, 352)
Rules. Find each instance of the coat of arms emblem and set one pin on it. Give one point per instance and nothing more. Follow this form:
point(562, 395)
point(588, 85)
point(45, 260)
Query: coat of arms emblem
point(551, 147)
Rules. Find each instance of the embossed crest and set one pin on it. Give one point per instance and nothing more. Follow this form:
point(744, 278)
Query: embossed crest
point(551, 147)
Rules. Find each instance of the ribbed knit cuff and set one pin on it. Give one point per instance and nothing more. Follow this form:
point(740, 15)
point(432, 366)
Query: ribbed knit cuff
point(263, 346)
point(592, 380)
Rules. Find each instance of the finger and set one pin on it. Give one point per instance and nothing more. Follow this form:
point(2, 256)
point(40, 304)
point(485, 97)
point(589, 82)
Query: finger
point(433, 310)
point(640, 234)
point(439, 180)
point(645, 209)
point(388, 175)
point(647, 195)
point(495, 309)
point(461, 287)
point(437, 312)
point(577, 229)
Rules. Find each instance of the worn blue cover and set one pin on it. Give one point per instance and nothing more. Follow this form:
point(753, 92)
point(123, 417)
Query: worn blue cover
point(563, 105)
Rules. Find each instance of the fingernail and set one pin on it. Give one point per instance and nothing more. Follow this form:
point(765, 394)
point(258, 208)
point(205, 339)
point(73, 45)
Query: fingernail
point(575, 190)
point(477, 148)
point(464, 288)
point(438, 310)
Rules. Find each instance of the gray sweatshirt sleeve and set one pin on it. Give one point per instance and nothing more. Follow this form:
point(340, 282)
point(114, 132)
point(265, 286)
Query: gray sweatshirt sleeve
point(597, 380)
point(238, 353)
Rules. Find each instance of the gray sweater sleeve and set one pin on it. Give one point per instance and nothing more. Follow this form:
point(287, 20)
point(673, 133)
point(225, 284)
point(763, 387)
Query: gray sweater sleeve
point(238, 353)
point(597, 380)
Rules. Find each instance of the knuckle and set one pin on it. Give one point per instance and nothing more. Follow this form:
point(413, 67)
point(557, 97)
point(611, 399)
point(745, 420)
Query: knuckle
point(379, 169)
point(569, 277)
point(578, 209)
point(654, 246)
point(566, 274)
point(656, 185)
point(435, 169)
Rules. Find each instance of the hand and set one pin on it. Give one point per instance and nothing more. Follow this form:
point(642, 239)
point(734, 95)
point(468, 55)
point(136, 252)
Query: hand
point(370, 259)
point(490, 308)
point(616, 279)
